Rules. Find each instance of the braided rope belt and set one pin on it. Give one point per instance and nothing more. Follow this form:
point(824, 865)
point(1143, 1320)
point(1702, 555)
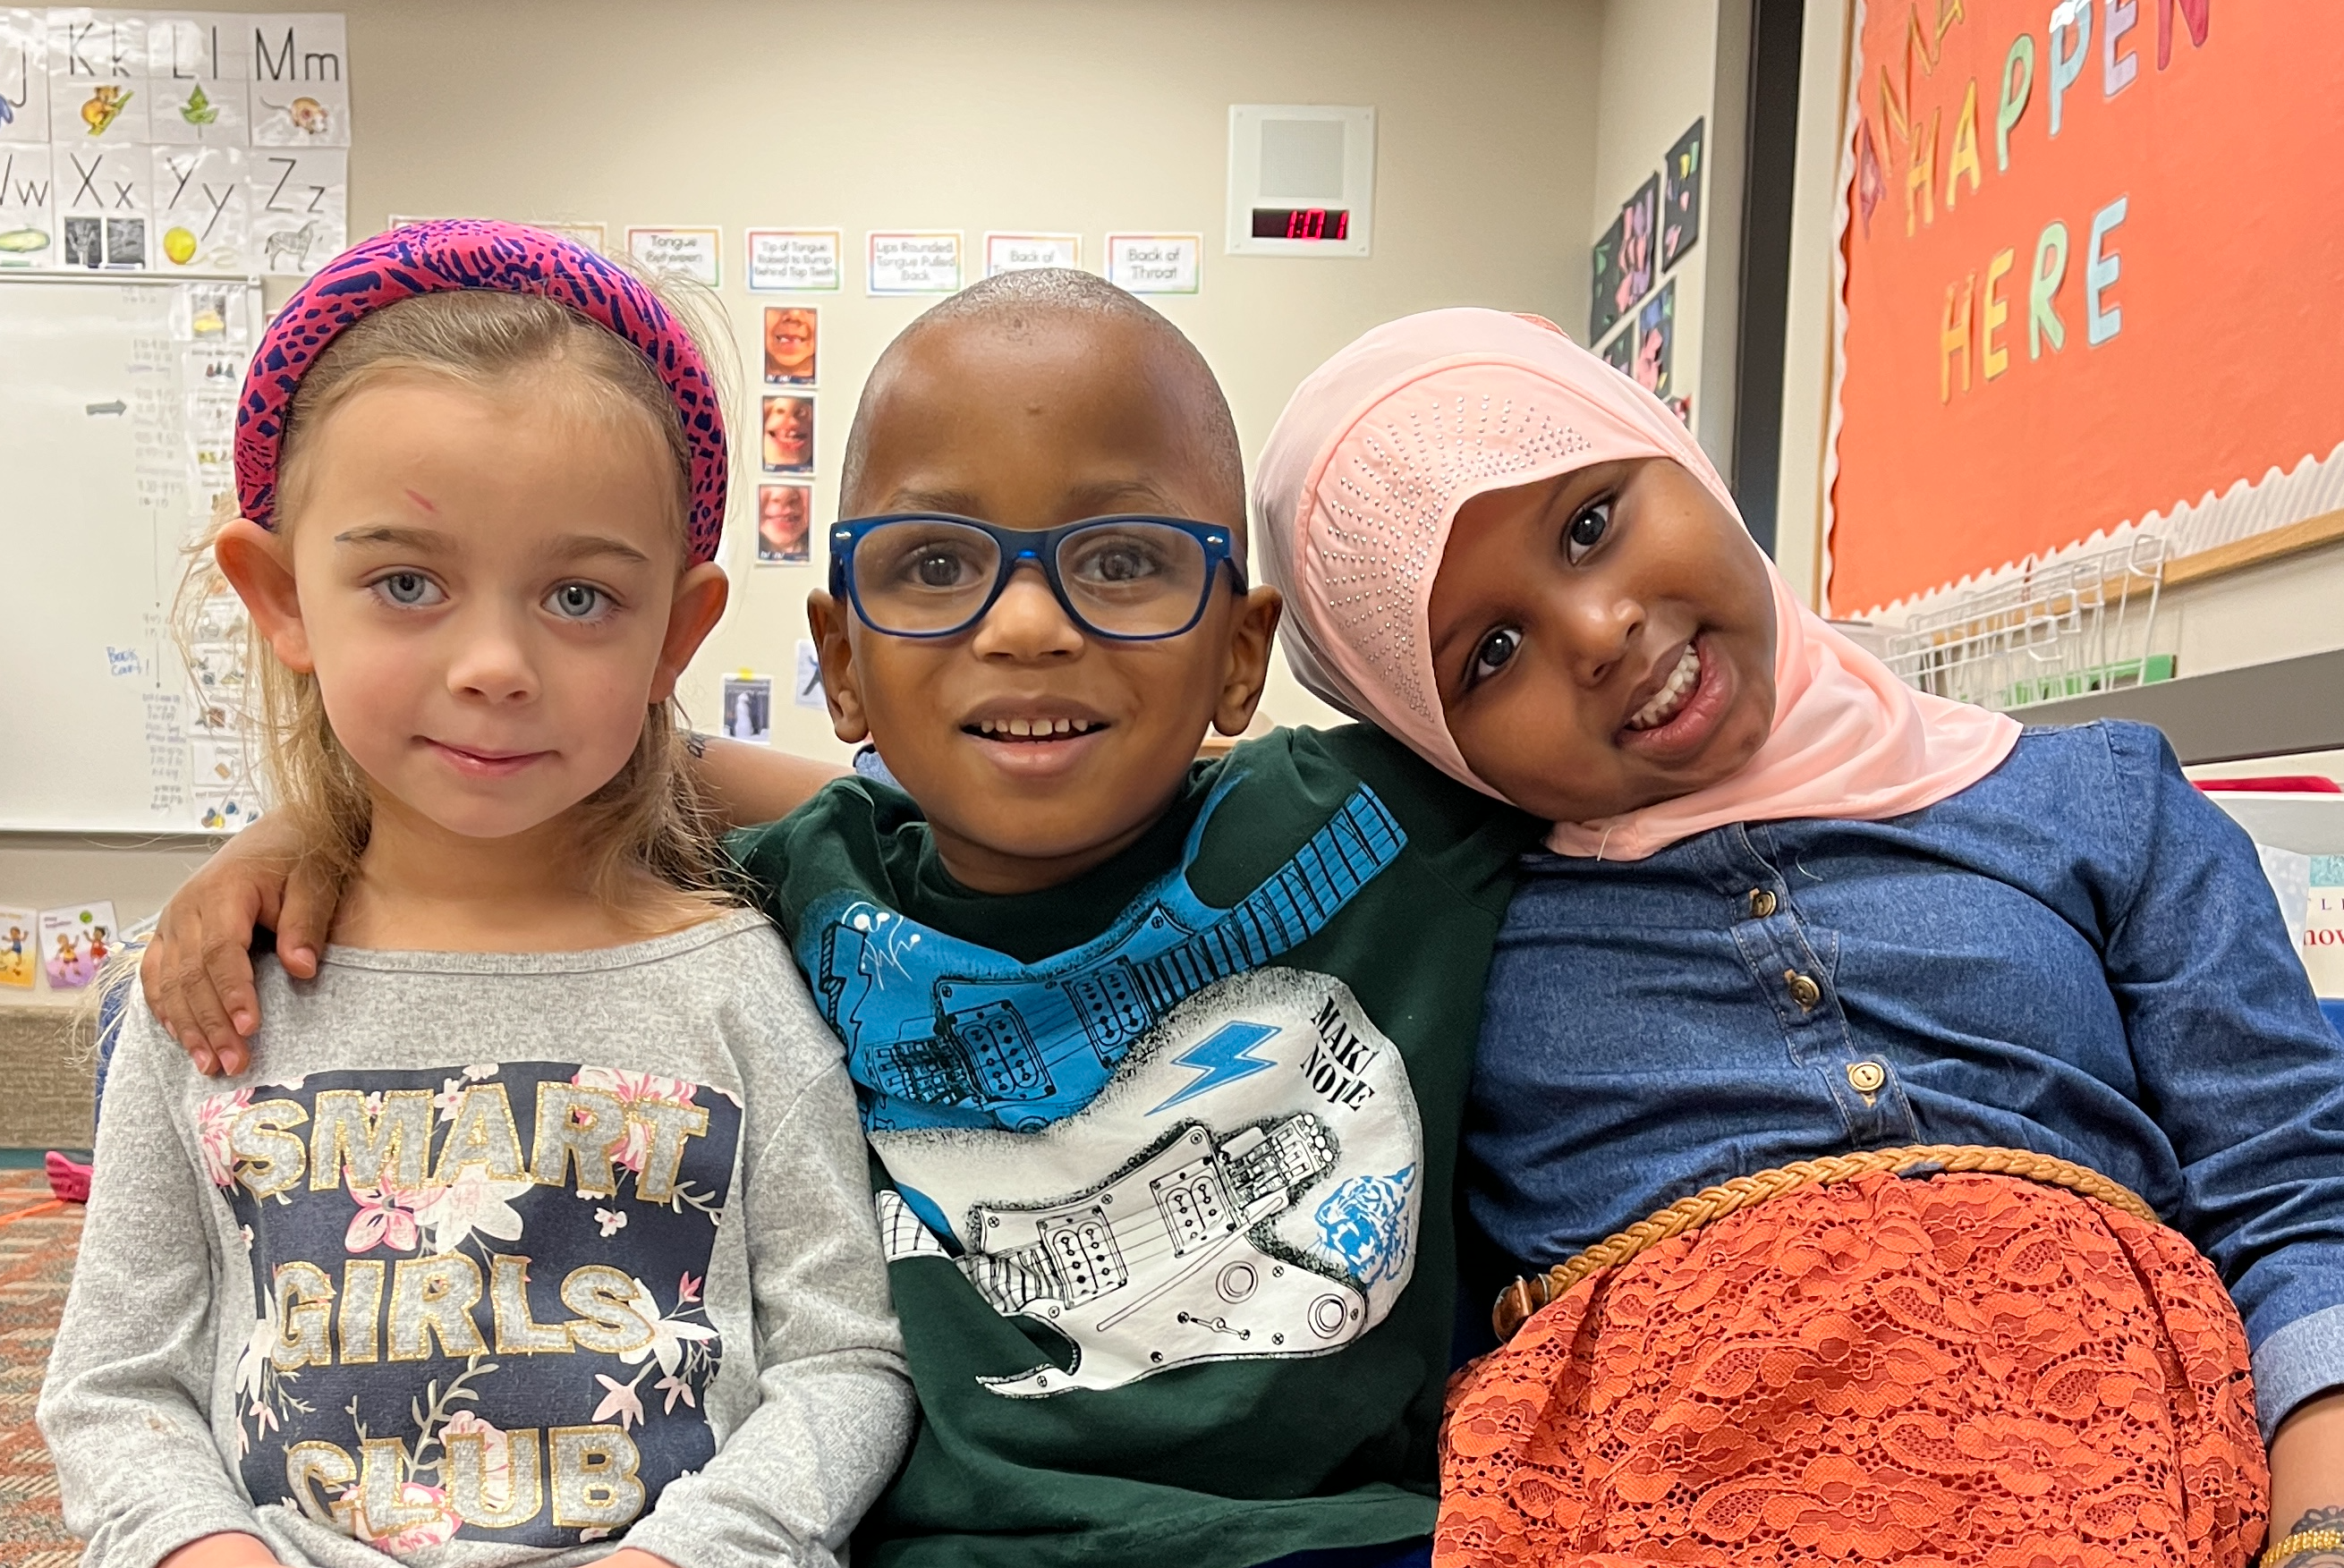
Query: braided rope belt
point(1523, 1297)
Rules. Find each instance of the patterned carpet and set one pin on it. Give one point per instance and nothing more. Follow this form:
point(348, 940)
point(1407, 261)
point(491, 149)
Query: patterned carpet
point(38, 1242)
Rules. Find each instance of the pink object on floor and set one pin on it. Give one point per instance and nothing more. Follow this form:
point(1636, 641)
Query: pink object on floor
point(68, 1180)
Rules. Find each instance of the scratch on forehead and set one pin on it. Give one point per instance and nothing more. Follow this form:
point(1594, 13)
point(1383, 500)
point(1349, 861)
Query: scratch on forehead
point(422, 500)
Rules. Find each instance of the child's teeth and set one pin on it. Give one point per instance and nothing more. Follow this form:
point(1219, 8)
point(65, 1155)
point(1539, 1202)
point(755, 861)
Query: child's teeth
point(1672, 692)
point(1030, 728)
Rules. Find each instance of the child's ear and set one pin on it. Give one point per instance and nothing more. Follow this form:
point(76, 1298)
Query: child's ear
point(840, 682)
point(701, 594)
point(258, 565)
point(1251, 637)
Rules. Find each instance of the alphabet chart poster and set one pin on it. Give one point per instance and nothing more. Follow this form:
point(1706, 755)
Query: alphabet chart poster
point(182, 142)
point(2091, 273)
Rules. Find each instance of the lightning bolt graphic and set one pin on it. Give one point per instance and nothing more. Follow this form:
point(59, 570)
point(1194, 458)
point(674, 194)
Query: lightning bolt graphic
point(1220, 1057)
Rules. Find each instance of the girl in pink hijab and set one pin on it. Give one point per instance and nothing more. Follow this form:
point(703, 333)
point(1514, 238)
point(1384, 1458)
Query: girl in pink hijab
point(1914, 1136)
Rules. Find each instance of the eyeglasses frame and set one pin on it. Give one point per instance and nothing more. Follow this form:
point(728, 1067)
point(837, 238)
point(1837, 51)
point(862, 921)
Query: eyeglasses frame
point(1040, 545)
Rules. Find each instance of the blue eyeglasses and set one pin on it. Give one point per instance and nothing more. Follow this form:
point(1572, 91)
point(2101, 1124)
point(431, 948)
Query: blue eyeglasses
point(1133, 579)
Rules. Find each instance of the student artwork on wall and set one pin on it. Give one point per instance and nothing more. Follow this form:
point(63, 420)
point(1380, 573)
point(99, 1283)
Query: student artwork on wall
point(1656, 333)
point(1681, 196)
point(189, 141)
point(749, 708)
point(1639, 230)
point(788, 444)
point(792, 339)
point(1623, 259)
point(75, 942)
point(1605, 270)
point(1620, 352)
point(20, 947)
point(784, 524)
point(2084, 291)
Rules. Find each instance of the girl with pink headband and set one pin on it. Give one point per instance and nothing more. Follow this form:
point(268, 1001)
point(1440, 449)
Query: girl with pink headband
point(1914, 1135)
point(535, 1228)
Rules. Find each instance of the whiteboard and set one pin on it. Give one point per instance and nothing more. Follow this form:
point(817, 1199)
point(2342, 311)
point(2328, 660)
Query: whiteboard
point(117, 398)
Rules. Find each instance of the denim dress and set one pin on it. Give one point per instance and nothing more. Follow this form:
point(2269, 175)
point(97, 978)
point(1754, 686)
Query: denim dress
point(2078, 956)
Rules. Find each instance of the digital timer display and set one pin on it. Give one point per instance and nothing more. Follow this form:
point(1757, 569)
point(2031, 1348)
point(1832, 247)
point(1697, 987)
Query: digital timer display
point(1301, 223)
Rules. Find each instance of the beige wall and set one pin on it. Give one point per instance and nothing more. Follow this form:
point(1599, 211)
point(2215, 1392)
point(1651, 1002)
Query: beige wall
point(1054, 114)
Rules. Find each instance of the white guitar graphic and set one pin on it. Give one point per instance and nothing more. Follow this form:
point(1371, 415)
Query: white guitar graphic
point(1286, 1231)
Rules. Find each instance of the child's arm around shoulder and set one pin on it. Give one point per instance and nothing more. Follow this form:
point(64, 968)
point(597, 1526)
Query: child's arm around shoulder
point(196, 973)
point(126, 1407)
point(835, 1403)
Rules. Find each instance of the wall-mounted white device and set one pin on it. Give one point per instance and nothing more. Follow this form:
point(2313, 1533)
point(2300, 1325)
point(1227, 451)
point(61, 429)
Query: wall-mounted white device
point(1302, 179)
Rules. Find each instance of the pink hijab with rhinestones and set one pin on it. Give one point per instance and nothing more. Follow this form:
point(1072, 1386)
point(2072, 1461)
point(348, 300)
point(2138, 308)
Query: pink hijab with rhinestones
point(1361, 483)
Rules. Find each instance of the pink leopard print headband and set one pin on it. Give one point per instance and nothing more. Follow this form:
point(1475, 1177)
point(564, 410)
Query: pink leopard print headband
point(502, 258)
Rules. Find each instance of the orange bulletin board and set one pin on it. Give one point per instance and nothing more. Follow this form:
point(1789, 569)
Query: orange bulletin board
point(2093, 266)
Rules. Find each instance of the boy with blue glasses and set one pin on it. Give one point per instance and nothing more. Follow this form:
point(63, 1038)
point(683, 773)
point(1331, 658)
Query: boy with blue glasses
point(1161, 1061)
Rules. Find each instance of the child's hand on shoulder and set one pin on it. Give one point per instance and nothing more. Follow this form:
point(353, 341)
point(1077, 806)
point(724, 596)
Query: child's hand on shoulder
point(196, 970)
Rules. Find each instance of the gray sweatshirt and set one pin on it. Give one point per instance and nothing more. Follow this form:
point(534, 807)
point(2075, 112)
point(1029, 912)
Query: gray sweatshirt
point(488, 1259)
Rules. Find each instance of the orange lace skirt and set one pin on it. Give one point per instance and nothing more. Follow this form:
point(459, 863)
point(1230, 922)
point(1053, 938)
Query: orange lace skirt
point(1966, 1372)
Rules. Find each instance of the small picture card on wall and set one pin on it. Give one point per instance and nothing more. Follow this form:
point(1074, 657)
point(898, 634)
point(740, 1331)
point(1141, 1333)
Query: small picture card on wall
point(28, 224)
point(300, 203)
point(784, 524)
point(793, 345)
point(1680, 197)
point(97, 79)
point(300, 89)
point(749, 708)
point(793, 260)
point(75, 942)
point(913, 261)
point(20, 947)
point(24, 77)
point(203, 207)
point(1155, 263)
point(105, 196)
point(1017, 252)
point(680, 252)
point(788, 445)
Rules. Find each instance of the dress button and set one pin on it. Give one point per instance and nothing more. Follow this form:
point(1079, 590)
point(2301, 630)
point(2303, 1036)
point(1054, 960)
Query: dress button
point(1761, 903)
point(1866, 1077)
point(1803, 991)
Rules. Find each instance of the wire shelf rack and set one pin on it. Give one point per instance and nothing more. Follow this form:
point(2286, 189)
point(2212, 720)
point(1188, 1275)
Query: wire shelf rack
point(2083, 625)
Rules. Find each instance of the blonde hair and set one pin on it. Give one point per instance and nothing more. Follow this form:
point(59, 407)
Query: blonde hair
point(648, 819)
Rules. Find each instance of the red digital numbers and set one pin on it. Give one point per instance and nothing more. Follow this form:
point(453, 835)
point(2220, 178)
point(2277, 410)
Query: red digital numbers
point(1301, 223)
